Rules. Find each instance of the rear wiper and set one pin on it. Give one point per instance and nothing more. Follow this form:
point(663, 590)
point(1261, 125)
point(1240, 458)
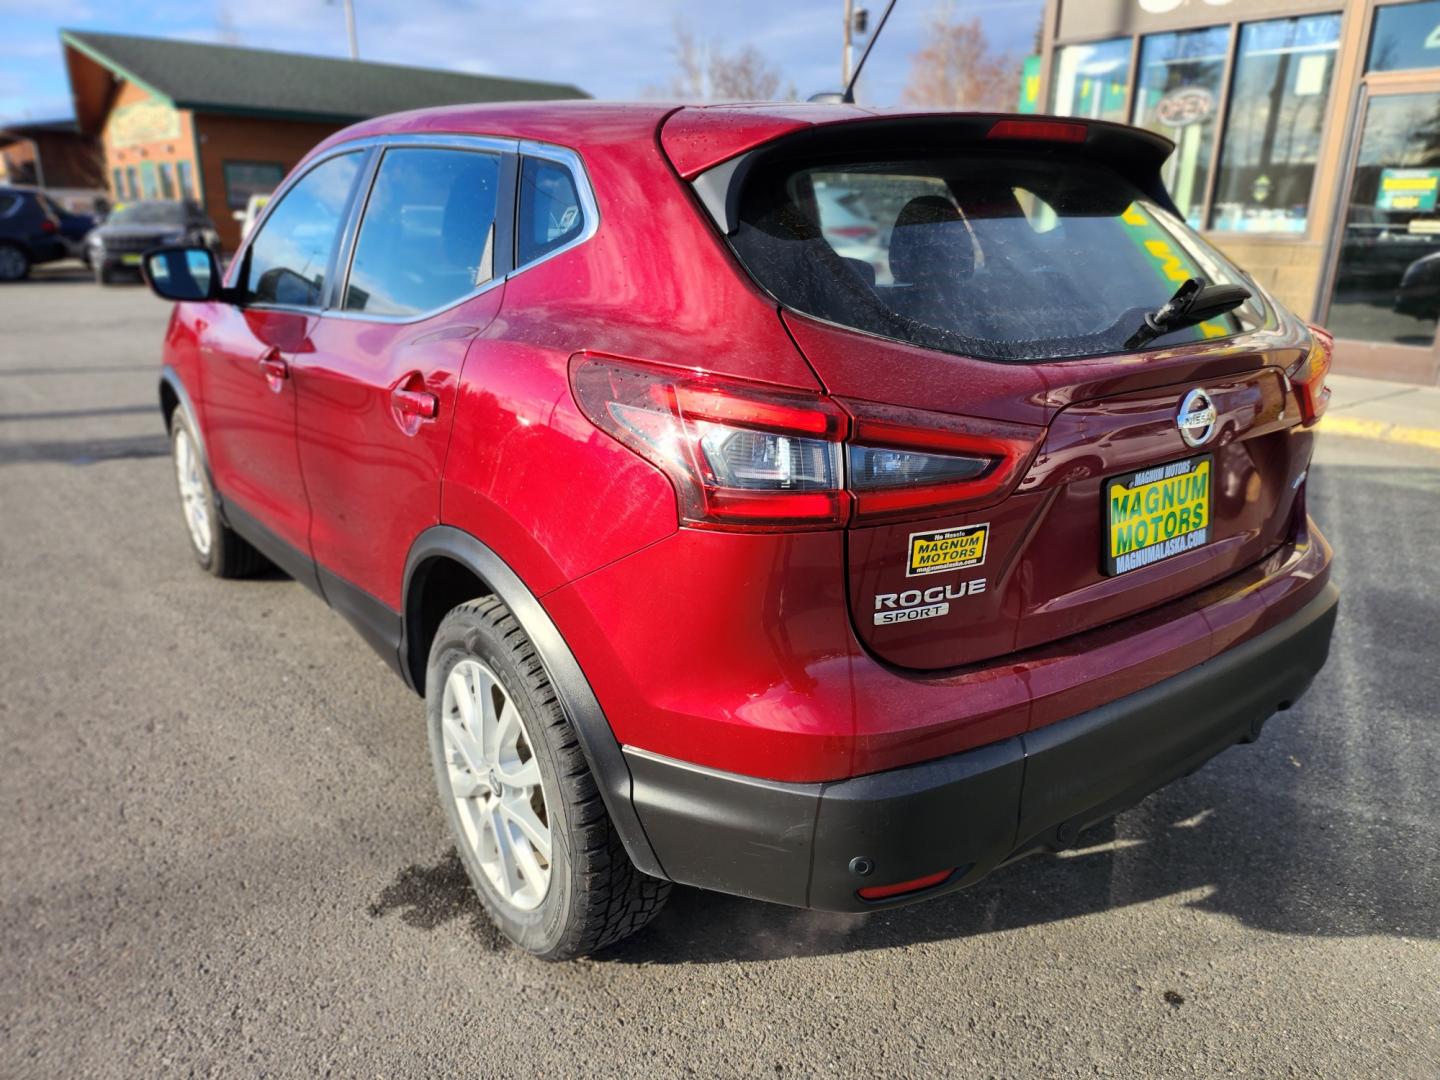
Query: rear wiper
point(1193, 302)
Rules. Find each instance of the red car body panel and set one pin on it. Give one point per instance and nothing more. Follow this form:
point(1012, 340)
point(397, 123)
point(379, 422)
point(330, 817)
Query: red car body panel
point(747, 652)
point(372, 473)
point(249, 419)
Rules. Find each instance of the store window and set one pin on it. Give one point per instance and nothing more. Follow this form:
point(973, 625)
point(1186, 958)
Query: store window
point(167, 180)
point(1091, 80)
point(1406, 36)
point(117, 179)
point(1177, 94)
point(246, 178)
point(132, 188)
point(187, 180)
point(149, 183)
point(1271, 141)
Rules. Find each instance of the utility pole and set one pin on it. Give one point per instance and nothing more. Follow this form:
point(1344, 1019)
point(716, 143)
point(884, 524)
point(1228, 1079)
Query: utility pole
point(847, 54)
point(350, 29)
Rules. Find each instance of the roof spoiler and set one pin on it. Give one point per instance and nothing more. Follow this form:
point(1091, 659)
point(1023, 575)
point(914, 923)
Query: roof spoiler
point(1135, 153)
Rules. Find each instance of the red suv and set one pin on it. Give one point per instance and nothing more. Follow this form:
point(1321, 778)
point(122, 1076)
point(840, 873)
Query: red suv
point(813, 505)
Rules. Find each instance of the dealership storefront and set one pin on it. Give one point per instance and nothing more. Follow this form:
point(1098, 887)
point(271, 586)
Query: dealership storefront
point(1307, 146)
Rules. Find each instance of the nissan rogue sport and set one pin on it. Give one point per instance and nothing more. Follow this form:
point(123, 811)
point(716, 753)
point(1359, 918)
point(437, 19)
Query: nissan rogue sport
point(725, 556)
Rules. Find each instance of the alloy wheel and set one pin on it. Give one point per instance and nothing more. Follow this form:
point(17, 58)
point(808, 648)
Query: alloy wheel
point(495, 780)
point(12, 263)
point(194, 499)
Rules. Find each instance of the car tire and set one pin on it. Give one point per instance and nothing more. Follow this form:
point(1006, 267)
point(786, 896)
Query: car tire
point(574, 892)
point(217, 548)
point(102, 273)
point(14, 263)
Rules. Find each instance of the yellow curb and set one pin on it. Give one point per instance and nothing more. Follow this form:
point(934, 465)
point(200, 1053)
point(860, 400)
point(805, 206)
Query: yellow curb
point(1379, 429)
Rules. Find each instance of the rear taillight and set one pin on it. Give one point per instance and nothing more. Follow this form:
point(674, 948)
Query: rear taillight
point(746, 456)
point(739, 456)
point(1308, 378)
point(49, 227)
point(904, 463)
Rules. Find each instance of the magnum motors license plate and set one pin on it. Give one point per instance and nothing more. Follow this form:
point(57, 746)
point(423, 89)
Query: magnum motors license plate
point(1157, 513)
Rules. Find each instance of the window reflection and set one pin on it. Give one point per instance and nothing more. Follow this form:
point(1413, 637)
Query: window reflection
point(1272, 138)
point(1177, 95)
point(1387, 285)
point(1090, 80)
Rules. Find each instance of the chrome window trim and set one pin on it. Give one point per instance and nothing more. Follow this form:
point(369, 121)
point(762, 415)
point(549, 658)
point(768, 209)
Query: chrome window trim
point(572, 161)
point(471, 143)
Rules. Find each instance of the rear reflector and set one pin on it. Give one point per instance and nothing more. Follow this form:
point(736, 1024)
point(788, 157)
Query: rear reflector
point(1039, 130)
point(886, 892)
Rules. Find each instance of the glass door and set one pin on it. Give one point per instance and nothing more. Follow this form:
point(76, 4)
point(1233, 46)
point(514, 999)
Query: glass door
point(1384, 300)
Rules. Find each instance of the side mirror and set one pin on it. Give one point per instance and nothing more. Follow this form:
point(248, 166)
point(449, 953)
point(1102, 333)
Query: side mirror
point(182, 273)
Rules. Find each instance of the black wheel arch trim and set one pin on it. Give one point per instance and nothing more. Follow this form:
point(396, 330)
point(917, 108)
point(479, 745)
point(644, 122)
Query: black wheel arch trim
point(170, 378)
point(582, 708)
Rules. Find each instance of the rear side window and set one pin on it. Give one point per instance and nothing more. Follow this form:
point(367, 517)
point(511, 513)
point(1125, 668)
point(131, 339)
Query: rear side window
point(290, 256)
point(8, 203)
point(428, 235)
point(550, 212)
point(994, 255)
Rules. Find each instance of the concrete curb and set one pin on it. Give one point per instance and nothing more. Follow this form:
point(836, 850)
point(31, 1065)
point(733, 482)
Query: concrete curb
point(1381, 430)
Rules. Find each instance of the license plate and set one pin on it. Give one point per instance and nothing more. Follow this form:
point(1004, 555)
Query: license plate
point(1157, 513)
point(129, 260)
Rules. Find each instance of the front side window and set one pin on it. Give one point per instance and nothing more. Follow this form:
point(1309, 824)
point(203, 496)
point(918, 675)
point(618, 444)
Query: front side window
point(290, 256)
point(998, 255)
point(1090, 80)
point(1272, 139)
point(428, 234)
point(1177, 95)
point(550, 213)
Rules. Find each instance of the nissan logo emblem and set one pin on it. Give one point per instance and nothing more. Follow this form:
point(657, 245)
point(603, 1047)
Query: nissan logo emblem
point(1196, 419)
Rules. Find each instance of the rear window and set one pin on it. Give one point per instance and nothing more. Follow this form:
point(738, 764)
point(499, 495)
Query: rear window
point(995, 255)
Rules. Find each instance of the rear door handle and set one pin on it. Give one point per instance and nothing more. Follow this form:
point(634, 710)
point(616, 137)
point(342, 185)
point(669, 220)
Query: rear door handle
point(421, 404)
point(274, 368)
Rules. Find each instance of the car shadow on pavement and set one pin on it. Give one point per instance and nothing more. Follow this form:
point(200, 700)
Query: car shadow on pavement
point(1272, 861)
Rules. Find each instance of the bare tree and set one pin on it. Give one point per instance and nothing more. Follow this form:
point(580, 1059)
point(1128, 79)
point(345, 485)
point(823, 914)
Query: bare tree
point(705, 72)
point(957, 69)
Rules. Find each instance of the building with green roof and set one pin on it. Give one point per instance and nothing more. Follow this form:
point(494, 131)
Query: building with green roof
point(218, 123)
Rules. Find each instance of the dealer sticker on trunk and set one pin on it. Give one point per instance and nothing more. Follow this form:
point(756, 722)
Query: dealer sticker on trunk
point(947, 549)
point(1157, 513)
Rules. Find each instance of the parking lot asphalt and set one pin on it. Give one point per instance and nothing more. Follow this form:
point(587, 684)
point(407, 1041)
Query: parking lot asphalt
point(221, 851)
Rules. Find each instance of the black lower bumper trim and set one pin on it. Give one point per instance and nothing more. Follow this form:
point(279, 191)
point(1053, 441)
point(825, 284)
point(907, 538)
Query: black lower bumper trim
point(798, 844)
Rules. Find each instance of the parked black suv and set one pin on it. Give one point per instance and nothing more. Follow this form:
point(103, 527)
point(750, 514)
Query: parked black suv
point(134, 228)
point(30, 232)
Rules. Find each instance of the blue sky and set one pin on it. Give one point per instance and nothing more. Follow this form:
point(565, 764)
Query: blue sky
point(611, 49)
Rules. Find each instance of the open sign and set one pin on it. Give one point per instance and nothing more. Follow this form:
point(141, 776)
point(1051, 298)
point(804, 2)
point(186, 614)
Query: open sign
point(1185, 106)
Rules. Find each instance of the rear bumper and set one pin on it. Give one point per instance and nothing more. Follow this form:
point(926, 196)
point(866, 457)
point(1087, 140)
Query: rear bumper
point(795, 843)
